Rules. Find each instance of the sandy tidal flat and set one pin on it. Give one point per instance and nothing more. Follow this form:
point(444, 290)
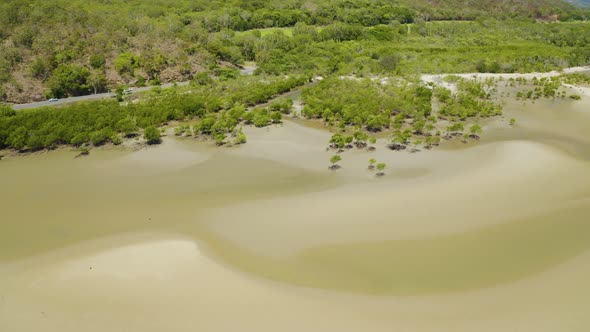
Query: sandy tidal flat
point(489, 236)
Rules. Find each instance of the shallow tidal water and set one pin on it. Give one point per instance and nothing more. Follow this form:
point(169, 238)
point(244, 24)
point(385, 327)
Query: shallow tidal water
point(488, 236)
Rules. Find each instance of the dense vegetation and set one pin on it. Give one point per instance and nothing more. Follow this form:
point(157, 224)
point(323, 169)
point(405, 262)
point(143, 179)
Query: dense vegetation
point(547, 87)
point(220, 107)
point(365, 103)
point(58, 48)
point(366, 54)
point(414, 113)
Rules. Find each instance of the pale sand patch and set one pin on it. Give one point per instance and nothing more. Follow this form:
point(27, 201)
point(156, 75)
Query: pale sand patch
point(528, 76)
point(584, 91)
point(164, 283)
point(299, 146)
point(156, 261)
point(171, 155)
point(288, 143)
point(439, 78)
point(484, 186)
point(204, 296)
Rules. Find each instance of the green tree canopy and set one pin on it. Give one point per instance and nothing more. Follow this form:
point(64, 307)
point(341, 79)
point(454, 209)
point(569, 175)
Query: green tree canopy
point(69, 80)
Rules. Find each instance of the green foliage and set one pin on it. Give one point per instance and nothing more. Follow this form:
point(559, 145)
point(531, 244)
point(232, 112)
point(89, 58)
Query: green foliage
point(335, 159)
point(183, 129)
point(84, 151)
point(152, 135)
point(78, 139)
point(125, 63)
point(127, 126)
point(403, 105)
point(120, 93)
point(116, 139)
point(225, 74)
point(364, 102)
point(97, 82)
point(389, 62)
point(340, 32)
point(97, 61)
point(388, 33)
point(6, 111)
point(220, 109)
point(401, 136)
point(98, 138)
point(155, 81)
point(69, 80)
point(576, 78)
point(276, 117)
point(152, 64)
point(140, 82)
point(360, 37)
point(262, 117)
point(219, 138)
point(471, 100)
point(282, 105)
point(202, 78)
point(475, 129)
point(40, 69)
point(550, 87)
point(456, 128)
point(24, 37)
point(206, 125)
point(360, 136)
point(483, 66)
point(17, 139)
point(240, 137)
point(338, 141)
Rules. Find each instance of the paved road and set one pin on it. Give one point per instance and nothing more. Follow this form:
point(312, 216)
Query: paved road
point(85, 98)
point(245, 71)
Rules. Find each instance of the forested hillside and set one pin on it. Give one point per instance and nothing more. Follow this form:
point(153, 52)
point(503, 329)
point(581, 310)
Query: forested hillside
point(59, 48)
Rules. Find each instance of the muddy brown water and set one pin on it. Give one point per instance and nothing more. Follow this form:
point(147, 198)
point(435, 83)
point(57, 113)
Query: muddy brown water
point(482, 236)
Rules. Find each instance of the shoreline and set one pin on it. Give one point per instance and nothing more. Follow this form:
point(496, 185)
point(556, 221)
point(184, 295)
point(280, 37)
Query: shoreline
point(249, 69)
point(439, 78)
point(130, 143)
point(267, 223)
point(570, 70)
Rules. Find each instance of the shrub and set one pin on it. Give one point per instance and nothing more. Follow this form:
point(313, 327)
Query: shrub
point(152, 135)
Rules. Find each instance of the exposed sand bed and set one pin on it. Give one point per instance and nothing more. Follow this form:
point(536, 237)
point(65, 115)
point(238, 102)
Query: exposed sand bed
point(506, 76)
point(439, 78)
point(489, 236)
point(121, 293)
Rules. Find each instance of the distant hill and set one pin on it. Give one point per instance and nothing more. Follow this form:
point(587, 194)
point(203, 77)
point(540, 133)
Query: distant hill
point(583, 3)
point(468, 9)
